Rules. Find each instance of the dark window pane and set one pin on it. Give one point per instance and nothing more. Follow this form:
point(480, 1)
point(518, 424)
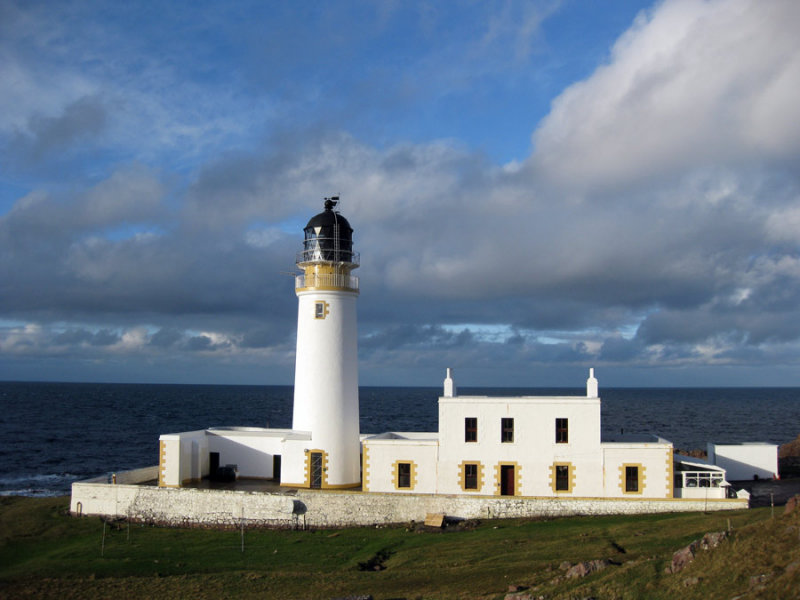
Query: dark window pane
point(404, 475)
point(562, 478)
point(507, 432)
point(471, 477)
point(471, 429)
point(631, 479)
point(562, 431)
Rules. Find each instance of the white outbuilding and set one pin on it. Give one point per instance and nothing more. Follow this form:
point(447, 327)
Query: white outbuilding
point(745, 460)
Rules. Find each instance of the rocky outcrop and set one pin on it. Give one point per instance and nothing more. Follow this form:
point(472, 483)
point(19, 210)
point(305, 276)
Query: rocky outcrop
point(582, 569)
point(792, 504)
point(789, 459)
point(684, 556)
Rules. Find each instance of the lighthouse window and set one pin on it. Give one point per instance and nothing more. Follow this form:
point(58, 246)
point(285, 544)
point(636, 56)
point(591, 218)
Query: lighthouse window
point(507, 430)
point(562, 431)
point(471, 429)
point(320, 310)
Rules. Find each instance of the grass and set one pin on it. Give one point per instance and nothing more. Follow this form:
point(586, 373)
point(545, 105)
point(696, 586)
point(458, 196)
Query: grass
point(46, 553)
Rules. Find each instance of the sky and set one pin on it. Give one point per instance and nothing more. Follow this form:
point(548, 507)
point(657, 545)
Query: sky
point(536, 187)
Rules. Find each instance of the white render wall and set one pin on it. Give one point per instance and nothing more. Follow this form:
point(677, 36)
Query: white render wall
point(382, 455)
point(183, 457)
point(746, 460)
point(534, 449)
point(326, 382)
point(324, 508)
point(250, 448)
point(654, 460)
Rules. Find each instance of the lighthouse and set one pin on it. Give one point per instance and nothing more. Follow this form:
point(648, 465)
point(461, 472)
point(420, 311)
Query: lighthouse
point(326, 367)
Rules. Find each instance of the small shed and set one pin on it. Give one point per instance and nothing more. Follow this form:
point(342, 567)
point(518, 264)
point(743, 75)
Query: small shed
point(746, 460)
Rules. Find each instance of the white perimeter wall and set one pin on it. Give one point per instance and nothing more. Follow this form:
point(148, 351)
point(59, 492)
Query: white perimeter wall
point(185, 506)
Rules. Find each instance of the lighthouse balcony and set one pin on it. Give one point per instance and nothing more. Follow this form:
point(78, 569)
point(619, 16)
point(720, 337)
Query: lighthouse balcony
point(326, 281)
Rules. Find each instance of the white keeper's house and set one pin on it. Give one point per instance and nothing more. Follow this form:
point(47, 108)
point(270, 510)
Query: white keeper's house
point(508, 446)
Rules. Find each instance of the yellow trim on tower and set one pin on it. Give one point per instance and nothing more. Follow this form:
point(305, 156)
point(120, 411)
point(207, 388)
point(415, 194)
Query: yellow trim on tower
point(326, 276)
point(307, 468)
point(326, 309)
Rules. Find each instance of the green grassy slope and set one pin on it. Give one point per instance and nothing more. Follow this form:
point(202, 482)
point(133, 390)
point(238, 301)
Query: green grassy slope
point(46, 553)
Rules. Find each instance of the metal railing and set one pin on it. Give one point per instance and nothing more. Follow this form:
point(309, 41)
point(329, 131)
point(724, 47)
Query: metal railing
point(326, 280)
point(312, 255)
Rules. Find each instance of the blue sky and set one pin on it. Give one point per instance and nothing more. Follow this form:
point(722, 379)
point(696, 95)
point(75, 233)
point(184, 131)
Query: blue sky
point(536, 188)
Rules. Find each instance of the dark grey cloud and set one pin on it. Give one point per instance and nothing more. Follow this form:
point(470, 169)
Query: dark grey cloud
point(79, 121)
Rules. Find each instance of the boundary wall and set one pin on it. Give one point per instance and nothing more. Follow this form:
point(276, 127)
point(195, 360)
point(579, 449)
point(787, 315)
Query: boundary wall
point(329, 508)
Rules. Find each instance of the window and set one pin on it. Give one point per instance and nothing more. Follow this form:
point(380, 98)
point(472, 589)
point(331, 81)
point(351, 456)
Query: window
point(403, 475)
point(562, 431)
point(471, 476)
point(562, 478)
point(320, 310)
point(471, 429)
point(507, 430)
point(631, 479)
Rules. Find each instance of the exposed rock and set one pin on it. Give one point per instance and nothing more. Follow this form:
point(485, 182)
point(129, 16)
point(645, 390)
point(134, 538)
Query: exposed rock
point(684, 556)
point(582, 569)
point(690, 581)
point(790, 448)
point(517, 588)
point(712, 540)
point(789, 459)
point(791, 504)
point(758, 582)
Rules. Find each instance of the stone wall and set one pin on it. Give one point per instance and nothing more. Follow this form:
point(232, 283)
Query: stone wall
point(323, 508)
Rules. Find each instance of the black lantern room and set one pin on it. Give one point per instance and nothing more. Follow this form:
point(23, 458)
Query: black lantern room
point(328, 237)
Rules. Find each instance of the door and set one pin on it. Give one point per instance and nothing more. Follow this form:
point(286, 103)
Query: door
point(276, 467)
point(507, 480)
point(316, 470)
point(213, 464)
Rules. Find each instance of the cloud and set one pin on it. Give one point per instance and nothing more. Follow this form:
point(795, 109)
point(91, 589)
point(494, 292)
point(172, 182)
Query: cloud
point(82, 119)
point(652, 225)
point(689, 85)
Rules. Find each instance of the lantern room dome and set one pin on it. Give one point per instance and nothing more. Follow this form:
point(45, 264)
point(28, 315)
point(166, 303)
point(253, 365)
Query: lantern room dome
point(328, 237)
point(328, 219)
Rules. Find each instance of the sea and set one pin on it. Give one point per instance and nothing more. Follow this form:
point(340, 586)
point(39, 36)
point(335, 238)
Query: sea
point(52, 434)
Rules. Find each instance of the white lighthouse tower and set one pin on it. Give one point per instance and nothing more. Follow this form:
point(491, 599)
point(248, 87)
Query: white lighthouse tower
point(326, 369)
